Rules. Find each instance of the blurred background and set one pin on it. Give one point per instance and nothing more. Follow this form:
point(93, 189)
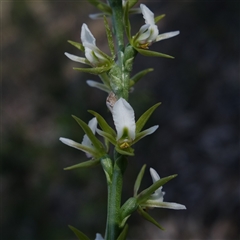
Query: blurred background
point(198, 137)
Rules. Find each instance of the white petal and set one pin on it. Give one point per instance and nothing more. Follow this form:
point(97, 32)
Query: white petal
point(147, 14)
point(169, 205)
point(96, 15)
point(144, 35)
point(70, 143)
point(78, 146)
point(123, 117)
point(93, 54)
point(90, 56)
point(100, 86)
point(154, 33)
point(166, 35)
point(86, 36)
point(143, 28)
point(99, 237)
point(93, 126)
point(75, 58)
point(67, 141)
point(154, 175)
point(149, 130)
point(158, 194)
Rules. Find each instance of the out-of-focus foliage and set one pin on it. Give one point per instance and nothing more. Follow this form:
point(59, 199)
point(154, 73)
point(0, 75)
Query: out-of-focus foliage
point(198, 136)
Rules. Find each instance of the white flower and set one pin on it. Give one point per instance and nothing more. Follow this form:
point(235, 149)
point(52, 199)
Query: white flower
point(156, 199)
point(124, 121)
point(93, 54)
point(148, 33)
point(86, 141)
point(86, 144)
point(99, 237)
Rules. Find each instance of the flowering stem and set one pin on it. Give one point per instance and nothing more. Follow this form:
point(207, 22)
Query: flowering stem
point(114, 198)
point(118, 26)
point(117, 17)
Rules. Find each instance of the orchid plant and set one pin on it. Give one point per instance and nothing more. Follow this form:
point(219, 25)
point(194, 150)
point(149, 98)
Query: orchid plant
point(114, 72)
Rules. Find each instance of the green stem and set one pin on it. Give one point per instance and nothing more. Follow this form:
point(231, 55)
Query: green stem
point(118, 26)
point(117, 17)
point(114, 198)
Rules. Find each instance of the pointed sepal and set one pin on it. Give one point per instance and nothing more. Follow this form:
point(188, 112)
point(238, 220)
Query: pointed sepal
point(145, 194)
point(101, 6)
point(144, 117)
point(145, 215)
point(144, 133)
point(96, 143)
point(79, 234)
point(132, 3)
point(138, 76)
point(94, 71)
point(103, 124)
point(107, 136)
point(158, 18)
point(77, 45)
point(126, 21)
point(138, 180)
point(123, 234)
point(109, 37)
point(149, 53)
point(86, 164)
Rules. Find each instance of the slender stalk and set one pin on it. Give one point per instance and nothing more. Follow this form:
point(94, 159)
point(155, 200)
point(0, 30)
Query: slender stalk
point(114, 198)
point(115, 186)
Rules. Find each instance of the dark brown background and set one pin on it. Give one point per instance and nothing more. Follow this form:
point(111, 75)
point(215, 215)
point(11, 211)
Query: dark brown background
point(198, 137)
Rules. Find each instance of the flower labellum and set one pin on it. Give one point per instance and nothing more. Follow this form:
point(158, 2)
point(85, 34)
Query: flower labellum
point(124, 120)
